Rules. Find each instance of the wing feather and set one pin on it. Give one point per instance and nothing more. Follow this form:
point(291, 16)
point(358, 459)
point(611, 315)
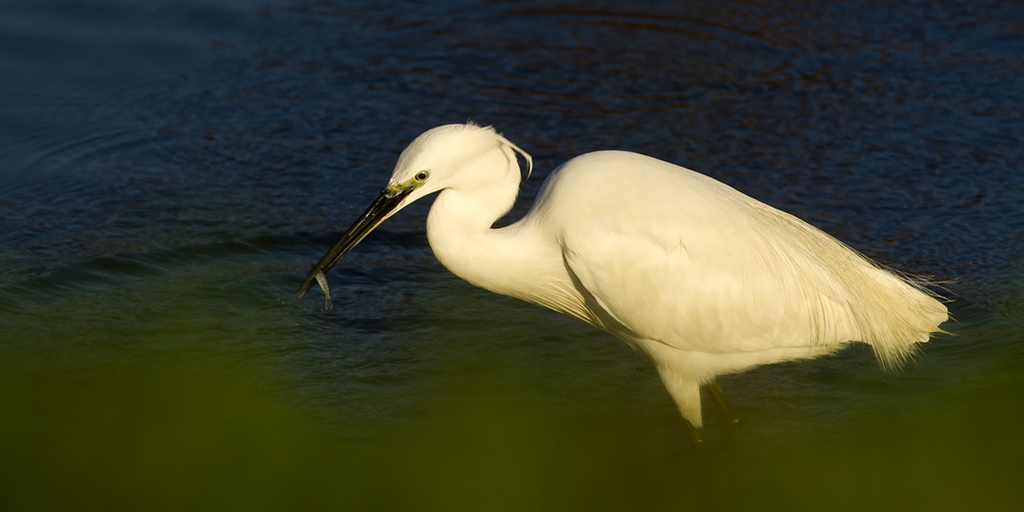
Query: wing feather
point(680, 258)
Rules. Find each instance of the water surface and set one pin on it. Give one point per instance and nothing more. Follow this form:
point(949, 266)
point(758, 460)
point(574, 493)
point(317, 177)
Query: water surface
point(170, 170)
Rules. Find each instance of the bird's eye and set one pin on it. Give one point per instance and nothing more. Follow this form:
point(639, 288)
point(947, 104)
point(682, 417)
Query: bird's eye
point(422, 175)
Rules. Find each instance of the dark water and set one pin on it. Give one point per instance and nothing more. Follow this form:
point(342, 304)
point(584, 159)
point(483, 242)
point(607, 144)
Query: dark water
point(170, 170)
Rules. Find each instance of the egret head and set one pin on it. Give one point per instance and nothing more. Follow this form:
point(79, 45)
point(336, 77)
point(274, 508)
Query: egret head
point(452, 156)
point(449, 156)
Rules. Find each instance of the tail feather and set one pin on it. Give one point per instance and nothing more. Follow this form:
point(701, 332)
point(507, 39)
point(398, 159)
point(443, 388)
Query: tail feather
point(911, 313)
point(857, 299)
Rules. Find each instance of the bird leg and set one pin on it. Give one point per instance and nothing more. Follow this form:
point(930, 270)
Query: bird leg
point(696, 433)
point(723, 403)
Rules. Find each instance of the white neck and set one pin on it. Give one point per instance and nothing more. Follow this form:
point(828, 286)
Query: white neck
point(517, 260)
point(460, 234)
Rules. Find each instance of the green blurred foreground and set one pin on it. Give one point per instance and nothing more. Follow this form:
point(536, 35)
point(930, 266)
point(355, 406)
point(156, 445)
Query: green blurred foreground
point(202, 398)
point(177, 438)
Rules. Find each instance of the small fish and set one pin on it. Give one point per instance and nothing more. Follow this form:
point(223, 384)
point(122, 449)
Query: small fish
point(322, 280)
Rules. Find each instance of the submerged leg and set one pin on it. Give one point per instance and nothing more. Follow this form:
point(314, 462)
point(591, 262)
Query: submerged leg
point(696, 433)
point(723, 403)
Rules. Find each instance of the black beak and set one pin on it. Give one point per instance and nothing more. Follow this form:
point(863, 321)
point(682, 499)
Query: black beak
point(380, 209)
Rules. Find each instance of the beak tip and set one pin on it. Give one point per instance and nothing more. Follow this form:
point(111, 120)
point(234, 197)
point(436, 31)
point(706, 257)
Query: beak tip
point(306, 285)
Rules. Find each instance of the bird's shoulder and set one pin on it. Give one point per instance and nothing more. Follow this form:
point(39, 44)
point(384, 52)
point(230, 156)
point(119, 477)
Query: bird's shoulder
point(625, 186)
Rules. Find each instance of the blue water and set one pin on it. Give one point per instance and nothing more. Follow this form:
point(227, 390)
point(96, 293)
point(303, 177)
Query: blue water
point(169, 171)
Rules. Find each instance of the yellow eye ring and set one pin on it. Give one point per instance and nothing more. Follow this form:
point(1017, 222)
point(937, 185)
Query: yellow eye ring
point(422, 176)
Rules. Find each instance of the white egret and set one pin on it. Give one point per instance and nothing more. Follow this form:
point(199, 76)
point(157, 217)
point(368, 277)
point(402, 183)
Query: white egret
point(699, 276)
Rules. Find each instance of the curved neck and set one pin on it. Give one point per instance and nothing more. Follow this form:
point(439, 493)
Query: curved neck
point(460, 234)
point(521, 260)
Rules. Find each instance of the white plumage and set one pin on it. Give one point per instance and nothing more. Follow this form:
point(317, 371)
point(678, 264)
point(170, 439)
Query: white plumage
point(701, 277)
